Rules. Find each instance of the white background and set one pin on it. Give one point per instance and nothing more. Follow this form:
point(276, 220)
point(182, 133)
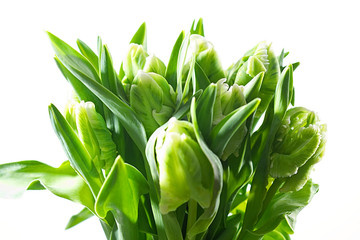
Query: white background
point(322, 35)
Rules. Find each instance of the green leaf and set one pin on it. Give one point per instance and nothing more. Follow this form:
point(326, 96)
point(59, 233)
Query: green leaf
point(146, 218)
point(171, 69)
point(184, 108)
point(73, 60)
point(88, 53)
point(204, 220)
point(283, 92)
point(281, 59)
point(232, 71)
point(200, 81)
point(126, 115)
point(187, 87)
point(108, 75)
point(15, 178)
point(223, 131)
point(99, 47)
point(140, 36)
point(205, 110)
point(282, 232)
point(79, 218)
point(183, 51)
point(120, 194)
point(274, 235)
point(232, 226)
point(74, 149)
point(295, 65)
point(80, 89)
point(199, 29)
point(252, 88)
point(285, 206)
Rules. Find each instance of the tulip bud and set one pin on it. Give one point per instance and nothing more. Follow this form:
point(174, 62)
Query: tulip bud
point(206, 57)
point(184, 171)
point(227, 100)
point(298, 145)
point(134, 61)
point(153, 100)
point(92, 132)
point(155, 65)
point(257, 60)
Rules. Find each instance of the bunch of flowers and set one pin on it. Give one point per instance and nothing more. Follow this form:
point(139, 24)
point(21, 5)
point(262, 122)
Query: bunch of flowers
point(187, 150)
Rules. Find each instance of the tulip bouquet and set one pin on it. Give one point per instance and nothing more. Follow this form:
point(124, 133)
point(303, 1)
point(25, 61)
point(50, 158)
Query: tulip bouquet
point(186, 150)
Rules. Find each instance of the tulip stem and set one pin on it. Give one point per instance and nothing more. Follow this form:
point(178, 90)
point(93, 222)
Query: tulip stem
point(192, 215)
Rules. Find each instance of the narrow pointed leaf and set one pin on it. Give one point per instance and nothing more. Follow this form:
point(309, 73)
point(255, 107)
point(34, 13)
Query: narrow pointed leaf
point(185, 107)
point(201, 80)
point(73, 60)
point(80, 89)
point(205, 110)
point(180, 67)
point(74, 149)
point(88, 53)
point(126, 115)
point(108, 75)
point(171, 69)
point(222, 132)
point(99, 47)
point(283, 92)
point(295, 65)
point(252, 88)
point(140, 36)
point(186, 90)
point(79, 218)
point(199, 29)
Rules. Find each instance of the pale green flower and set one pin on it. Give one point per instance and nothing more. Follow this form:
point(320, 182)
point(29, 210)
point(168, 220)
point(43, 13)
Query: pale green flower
point(153, 100)
point(92, 132)
point(185, 172)
point(134, 61)
point(227, 100)
point(206, 57)
point(298, 145)
point(155, 65)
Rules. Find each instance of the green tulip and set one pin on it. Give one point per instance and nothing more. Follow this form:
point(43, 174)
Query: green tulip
point(227, 100)
point(256, 61)
point(298, 145)
point(134, 61)
point(260, 59)
point(206, 57)
point(184, 171)
point(155, 65)
point(152, 99)
point(93, 133)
